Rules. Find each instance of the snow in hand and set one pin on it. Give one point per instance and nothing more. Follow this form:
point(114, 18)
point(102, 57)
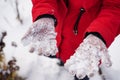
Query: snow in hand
point(41, 36)
point(15, 20)
point(85, 60)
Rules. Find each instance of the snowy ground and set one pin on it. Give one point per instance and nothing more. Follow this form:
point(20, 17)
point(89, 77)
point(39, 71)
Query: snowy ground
point(39, 67)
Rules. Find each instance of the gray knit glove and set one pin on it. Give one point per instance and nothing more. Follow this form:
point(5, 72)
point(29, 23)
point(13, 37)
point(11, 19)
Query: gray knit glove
point(42, 37)
point(86, 59)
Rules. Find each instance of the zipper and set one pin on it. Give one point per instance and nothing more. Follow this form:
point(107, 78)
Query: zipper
point(75, 30)
point(66, 2)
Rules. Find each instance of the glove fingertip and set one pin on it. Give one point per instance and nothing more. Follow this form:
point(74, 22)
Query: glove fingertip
point(25, 42)
point(47, 54)
point(108, 64)
point(80, 75)
point(107, 61)
point(91, 75)
point(32, 49)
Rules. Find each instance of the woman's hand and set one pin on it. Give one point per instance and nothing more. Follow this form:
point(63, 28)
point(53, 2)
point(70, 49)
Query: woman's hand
point(42, 37)
point(89, 55)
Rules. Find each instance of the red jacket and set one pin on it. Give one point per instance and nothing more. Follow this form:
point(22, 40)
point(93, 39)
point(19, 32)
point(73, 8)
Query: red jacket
point(80, 16)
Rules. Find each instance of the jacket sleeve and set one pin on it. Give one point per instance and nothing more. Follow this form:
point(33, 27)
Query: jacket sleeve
point(55, 8)
point(107, 24)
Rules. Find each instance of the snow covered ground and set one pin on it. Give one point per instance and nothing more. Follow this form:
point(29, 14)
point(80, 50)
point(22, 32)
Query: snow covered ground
point(36, 67)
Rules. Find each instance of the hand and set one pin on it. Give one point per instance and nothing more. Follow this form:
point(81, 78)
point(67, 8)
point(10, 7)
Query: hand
point(42, 37)
point(86, 59)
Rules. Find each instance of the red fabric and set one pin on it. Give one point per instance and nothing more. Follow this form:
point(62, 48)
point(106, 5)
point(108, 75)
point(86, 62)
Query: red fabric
point(102, 16)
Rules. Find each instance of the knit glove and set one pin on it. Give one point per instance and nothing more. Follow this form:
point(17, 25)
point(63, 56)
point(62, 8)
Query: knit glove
point(87, 58)
point(41, 36)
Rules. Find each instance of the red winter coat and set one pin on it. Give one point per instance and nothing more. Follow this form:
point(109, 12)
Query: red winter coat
point(80, 16)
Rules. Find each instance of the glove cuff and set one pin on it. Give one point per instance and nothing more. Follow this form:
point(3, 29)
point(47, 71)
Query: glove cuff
point(48, 16)
point(95, 34)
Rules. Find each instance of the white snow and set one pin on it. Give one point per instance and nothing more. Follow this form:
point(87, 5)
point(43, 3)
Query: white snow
point(35, 67)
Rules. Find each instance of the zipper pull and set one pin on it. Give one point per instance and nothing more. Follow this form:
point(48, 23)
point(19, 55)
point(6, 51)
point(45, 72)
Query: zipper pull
point(82, 10)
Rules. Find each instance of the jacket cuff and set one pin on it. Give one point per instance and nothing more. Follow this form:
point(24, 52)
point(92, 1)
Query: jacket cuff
point(48, 16)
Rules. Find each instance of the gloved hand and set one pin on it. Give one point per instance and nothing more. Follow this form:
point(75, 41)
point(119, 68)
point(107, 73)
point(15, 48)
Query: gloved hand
point(87, 57)
point(41, 36)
